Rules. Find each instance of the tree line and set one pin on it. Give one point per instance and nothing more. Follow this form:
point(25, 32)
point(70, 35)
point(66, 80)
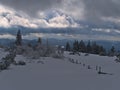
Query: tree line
point(90, 47)
point(77, 46)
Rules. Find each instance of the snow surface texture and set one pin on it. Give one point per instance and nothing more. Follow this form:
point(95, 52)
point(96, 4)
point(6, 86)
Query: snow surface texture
point(60, 74)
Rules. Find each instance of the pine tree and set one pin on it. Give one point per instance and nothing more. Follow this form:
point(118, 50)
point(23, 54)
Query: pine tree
point(29, 45)
point(88, 47)
point(18, 38)
point(82, 47)
point(95, 48)
point(112, 51)
point(68, 48)
point(39, 41)
point(76, 46)
point(102, 51)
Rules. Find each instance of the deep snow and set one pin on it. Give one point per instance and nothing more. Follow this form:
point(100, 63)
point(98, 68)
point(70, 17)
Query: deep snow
point(60, 74)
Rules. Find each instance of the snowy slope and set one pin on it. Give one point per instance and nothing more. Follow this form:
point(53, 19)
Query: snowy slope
point(60, 74)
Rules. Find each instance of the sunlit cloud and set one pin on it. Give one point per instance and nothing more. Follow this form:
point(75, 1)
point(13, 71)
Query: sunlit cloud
point(10, 17)
point(7, 36)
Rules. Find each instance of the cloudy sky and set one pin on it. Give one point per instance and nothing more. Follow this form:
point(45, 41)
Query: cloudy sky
point(88, 10)
point(58, 13)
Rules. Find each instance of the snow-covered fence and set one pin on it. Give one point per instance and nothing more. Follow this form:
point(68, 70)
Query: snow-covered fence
point(97, 68)
point(89, 67)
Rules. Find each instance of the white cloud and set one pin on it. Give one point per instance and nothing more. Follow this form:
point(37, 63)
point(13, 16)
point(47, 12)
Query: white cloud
point(102, 30)
point(10, 17)
point(112, 19)
point(61, 21)
point(4, 22)
point(7, 36)
point(60, 36)
point(74, 8)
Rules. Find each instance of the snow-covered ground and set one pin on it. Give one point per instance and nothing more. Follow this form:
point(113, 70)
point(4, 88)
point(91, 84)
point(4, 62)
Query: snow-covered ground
point(60, 74)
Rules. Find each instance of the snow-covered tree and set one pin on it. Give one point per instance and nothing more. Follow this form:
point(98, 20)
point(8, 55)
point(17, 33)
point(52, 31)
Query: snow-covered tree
point(18, 41)
point(68, 48)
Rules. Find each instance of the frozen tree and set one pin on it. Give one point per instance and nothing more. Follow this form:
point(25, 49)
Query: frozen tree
point(18, 41)
point(68, 48)
point(88, 47)
point(39, 41)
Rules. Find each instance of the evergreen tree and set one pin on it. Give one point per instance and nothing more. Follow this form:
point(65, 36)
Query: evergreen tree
point(68, 46)
point(76, 46)
point(29, 45)
point(18, 38)
point(39, 41)
point(82, 47)
point(88, 47)
point(102, 50)
point(112, 51)
point(95, 48)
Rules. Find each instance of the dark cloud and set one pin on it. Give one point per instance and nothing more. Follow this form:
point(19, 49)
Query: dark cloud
point(92, 10)
point(95, 9)
point(31, 6)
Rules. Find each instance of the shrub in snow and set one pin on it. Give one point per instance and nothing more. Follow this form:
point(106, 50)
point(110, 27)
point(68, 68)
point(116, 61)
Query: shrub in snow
point(72, 61)
point(78, 53)
point(2, 66)
point(117, 60)
point(57, 56)
point(20, 50)
point(87, 54)
point(102, 54)
point(71, 53)
point(58, 52)
point(7, 60)
point(40, 62)
point(40, 50)
point(21, 63)
point(36, 52)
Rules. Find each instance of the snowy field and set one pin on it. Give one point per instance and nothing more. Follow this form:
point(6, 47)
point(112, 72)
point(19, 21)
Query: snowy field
point(60, 74)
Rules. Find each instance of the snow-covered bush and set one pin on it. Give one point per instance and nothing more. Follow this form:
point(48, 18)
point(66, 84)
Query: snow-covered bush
point(87, 54)
point(58, 52)
point(57, 56)
point(7, 60)
point(71, 53)
point(39, 50)
point(117, 60)
point(21, 63)
point(20, 50)
point(40, 62)
point(36, 51)
point(3, 66)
